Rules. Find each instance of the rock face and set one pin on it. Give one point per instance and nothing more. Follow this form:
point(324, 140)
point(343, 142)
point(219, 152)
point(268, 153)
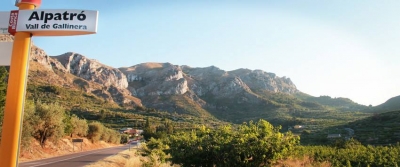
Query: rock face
point(156, 79)
point(162, 86)
point(112, 82)
point(75, 70)
point(161, 83)
point(151, 79)
point(92, 70)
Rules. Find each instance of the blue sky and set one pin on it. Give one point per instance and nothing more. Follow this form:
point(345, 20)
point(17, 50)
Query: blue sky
point(338, 48)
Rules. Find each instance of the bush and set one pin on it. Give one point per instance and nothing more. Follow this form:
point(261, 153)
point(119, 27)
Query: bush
point(95, 132)
point(48, 122)
point(115, 137)
point(253, 144)
point(106, 135)
point(79, 126)
point(27, 127)
point(124, 138)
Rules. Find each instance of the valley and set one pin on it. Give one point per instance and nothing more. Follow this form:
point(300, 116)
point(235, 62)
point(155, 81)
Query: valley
point(164, 99)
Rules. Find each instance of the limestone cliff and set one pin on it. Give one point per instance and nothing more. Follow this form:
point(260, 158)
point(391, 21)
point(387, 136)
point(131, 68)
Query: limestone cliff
point(167, 79)
point(92, 70)
point(68, 70)
point(150, 80)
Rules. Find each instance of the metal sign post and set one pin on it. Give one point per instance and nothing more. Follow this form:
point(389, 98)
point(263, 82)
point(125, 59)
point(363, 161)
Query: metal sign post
point(13, 112)
point(76, 141)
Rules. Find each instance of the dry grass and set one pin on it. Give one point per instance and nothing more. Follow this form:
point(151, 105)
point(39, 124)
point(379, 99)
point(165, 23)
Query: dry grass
point(127, 158)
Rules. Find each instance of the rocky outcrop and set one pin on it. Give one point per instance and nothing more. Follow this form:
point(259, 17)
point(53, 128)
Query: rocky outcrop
point(212, 79)
point(158, 83)
point(37, 54)
point(152, 79)
point(101, 80)
point(156, 79)
point(92, 70)
point(261, 80)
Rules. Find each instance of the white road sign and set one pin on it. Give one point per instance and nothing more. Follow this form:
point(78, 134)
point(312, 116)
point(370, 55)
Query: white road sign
point(4, 20)
point(5, 53)
point(53, 22)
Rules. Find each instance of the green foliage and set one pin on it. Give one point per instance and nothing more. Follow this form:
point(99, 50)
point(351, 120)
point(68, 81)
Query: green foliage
point(3, 85)
point(390, 105)
point(69, 98)
point(378, 129)
point(251, 144)
point(124, 138)
point(154, 149)
point(115, 138)
point(161, 130)
point(27, 126)
point(48, 122)
point(67, 124)
point(3, 90)
point(96, 130)
point(79, 126)
point(343, 104)
point(105, 136)
point(352, 153)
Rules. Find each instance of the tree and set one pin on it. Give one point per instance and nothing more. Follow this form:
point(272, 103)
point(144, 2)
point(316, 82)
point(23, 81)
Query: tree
point(48, 122)
point(107, 133)
point(252, 144)
point(96, 129)
point(79, 126)
point(116, 137)
point(149, 130)
point(67, 124)
point(27, 126)
point(154, 149)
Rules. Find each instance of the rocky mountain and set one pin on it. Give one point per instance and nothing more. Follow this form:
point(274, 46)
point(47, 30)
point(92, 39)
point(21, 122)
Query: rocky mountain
point(74, 71)
point(237, 95)
point(161, 85)
point(150, 79)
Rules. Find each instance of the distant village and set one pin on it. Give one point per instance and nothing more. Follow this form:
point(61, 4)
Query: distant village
point(133, 133)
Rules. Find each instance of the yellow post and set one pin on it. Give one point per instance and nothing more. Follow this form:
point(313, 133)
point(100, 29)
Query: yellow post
point(13, 113)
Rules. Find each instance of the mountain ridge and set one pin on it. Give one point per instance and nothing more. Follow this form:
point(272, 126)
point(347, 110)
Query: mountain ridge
point(240, 94)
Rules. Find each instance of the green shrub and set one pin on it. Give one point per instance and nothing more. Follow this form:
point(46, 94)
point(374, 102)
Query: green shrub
point(79, 126)
point(95, 132)
point(106, 135)
point(253, 144)
point(48, 122)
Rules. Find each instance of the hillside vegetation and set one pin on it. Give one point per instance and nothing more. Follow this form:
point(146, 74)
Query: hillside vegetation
point(390, 105)
point(379, 129)
point(52, 112)
point(202, 116)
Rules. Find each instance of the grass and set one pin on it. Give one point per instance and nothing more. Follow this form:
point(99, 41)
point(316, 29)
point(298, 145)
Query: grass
point(128, 158)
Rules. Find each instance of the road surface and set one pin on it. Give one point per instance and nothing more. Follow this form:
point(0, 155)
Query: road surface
point(76, 159)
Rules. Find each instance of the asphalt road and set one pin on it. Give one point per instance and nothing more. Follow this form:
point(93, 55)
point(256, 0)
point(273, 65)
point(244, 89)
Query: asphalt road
point(76, 159)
